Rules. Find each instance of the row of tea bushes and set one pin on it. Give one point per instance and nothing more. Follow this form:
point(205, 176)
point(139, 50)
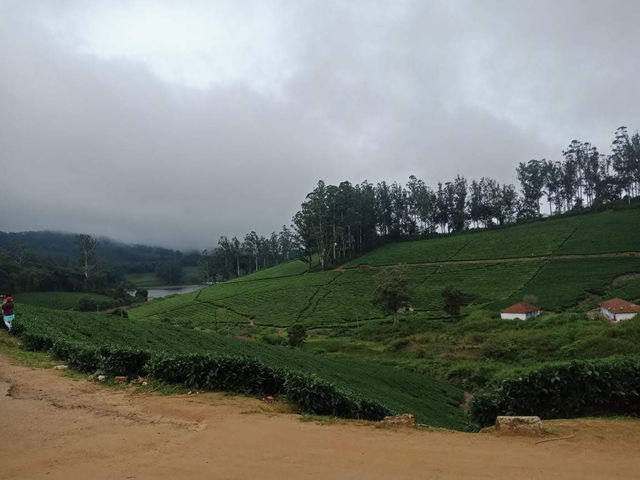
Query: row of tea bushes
point(563, 390)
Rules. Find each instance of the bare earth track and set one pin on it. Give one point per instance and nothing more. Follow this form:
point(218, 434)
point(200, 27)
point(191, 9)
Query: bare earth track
point(56, 427)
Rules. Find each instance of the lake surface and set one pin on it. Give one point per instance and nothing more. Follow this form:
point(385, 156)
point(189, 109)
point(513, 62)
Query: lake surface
point(164, 291)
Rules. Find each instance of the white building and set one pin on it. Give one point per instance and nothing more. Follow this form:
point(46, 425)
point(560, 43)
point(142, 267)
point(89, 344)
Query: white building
point(520, 311)
point(617, 309)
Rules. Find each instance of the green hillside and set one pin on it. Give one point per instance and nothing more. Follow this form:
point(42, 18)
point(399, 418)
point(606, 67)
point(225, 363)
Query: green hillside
point(595, 233)
point(564, 265)
point(552, 274)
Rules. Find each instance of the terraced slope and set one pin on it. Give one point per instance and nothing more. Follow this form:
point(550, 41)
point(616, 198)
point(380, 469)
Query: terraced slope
point(605, 232)
point(546, 261)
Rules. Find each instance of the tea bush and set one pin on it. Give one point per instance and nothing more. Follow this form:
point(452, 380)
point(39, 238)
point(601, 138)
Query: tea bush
point(563, 390)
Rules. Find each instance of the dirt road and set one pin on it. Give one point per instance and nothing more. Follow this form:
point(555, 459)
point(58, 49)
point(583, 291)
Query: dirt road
point(55, 427)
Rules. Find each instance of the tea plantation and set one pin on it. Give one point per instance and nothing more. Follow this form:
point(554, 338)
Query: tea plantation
point(356, 362)
point(59, 300)
point(565, 265)
point(319, 384)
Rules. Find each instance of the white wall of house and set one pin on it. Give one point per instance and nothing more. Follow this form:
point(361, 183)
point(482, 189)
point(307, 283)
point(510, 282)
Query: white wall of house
point(513, 316)
point(518, 316)
point(607, 314)
point(616, 317)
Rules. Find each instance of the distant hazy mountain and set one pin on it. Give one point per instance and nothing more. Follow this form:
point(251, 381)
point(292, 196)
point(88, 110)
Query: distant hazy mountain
point(64, 245)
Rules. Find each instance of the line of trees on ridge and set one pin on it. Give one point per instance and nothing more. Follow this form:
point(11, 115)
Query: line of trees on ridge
point(233, 258)
point(338, 222)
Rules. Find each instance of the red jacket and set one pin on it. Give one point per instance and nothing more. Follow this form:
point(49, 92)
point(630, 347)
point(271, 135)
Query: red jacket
point(7, 309)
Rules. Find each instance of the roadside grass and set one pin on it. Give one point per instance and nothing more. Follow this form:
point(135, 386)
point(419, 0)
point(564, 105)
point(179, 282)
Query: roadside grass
point(10, 346)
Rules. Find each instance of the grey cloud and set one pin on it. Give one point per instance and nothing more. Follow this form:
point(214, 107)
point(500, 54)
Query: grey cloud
point(425, 88)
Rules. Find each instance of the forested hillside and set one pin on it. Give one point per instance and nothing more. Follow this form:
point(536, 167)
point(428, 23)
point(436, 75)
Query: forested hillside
point(62, 244)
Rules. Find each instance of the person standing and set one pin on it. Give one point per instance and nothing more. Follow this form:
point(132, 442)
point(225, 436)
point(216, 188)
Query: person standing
point(7, 311)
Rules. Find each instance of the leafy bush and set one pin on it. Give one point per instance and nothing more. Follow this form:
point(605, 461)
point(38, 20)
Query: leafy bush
point(123, 361)
point(563, 390)
point(83, 358)
point(119, 312)
point(273, 339)
point(296, 335)
point(142, 294)
point(87, 304)
point(246, 375)
point(219, 372)
point(316, 396)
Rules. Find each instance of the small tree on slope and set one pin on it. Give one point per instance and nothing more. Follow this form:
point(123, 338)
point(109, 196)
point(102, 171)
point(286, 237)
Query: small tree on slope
point(393, 292)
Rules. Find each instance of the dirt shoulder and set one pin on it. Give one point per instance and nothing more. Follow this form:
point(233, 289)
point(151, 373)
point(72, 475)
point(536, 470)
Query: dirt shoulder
point(57, 427)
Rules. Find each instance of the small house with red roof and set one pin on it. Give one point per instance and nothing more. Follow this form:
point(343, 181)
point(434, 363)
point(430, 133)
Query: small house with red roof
point(520, 311)
point(617, 309)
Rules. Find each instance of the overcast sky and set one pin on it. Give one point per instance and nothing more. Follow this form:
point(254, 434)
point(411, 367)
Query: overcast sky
point(172, 123)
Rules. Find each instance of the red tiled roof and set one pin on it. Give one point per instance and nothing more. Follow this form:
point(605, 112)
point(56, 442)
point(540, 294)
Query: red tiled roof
point(617, 305)
point(521, 307)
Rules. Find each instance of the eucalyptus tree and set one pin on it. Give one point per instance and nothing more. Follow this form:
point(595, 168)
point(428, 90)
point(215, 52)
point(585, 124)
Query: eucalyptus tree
point(508, 204)
point(531, 176)
point(87, 246)
point(626, 161)
point(476, 202)
point(459, 205)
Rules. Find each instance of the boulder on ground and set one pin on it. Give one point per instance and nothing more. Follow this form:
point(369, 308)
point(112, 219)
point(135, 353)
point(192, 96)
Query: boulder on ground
point(120, 379)
point(519, 425)
point(403, 420)
point(60, 367)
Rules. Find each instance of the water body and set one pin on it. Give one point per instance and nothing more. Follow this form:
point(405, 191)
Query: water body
point(164, 291)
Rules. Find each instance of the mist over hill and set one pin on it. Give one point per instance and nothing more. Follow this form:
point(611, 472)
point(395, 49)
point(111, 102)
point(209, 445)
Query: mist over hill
point(63, 244)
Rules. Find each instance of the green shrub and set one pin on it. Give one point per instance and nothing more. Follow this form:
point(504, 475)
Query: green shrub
point(34, 342)
point(564, 390)
point(249, 376)
point(87, 304)
point(220, 372)
point(123, 361)
point(83, 358)
point(315, 396)
point(297, 335)
point(274, 339)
